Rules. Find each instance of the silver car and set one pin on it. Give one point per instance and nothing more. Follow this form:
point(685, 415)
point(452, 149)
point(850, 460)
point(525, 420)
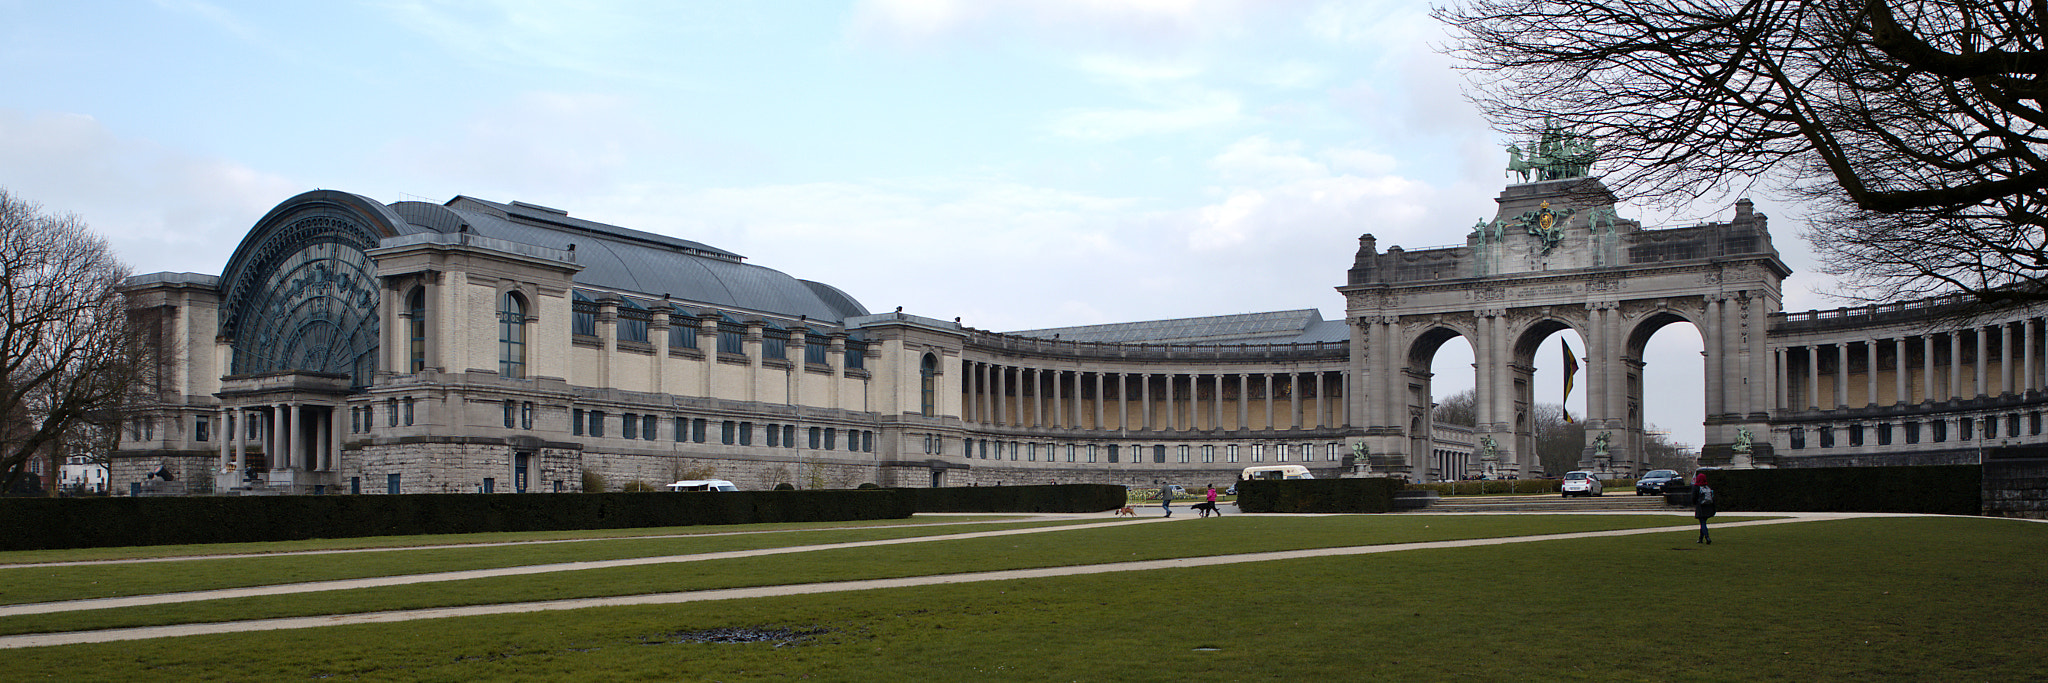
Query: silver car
point(1580, 483)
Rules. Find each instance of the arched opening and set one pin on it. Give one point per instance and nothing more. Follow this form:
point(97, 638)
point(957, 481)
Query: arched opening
point(1445, 422)
point(928, 376)
point(512, 336)
point(416, 329)
point(1668, 423)
point(1550, 421)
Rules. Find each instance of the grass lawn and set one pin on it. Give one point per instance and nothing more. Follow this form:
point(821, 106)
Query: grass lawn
point(1894, 599)
point(44, 584)
point(1105, 544)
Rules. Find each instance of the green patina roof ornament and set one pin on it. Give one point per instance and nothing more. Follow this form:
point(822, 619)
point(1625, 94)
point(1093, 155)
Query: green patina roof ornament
point(1555, 154)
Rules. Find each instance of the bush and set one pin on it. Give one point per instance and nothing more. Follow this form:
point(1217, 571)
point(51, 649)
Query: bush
point(1040, 498)
point(48, 523)
point(1371, 494)
point(593, 482)
point(1494, 486)
point(785, 486)
point(637, 486)
point(1925, 489)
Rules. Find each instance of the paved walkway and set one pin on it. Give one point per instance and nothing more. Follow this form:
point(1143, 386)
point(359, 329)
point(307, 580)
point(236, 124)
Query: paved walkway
point(112, 635)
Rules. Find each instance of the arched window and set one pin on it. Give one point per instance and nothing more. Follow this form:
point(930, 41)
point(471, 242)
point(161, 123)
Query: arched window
point(416, 329)
point(512, 336)
point(930, 376)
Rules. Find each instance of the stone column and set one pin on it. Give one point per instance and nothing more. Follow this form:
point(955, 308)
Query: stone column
point(1780, 370)
point(273, 442)
point(1714, 344)
point(1294, 400)
point(1172, 407)
point(2027, 355)
point(241, 436)
point(333, 438)
point(1870, 370)
point(2005, 358)
point(1982, 366)
point(1901, 390)
point(1927, 367)
point(1813, 377)
point(1955, 365)
point(1101, 406)
point(1145, 421)
point(225, 436)
point(1321, 406)
point(1123, 401)
point(1244, 401)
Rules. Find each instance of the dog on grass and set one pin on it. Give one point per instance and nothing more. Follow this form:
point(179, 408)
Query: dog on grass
point(1207, 509)
point(1126, 511)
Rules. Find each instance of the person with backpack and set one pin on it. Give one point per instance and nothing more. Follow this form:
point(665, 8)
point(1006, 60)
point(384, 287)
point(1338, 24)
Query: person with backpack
point(1703, 508)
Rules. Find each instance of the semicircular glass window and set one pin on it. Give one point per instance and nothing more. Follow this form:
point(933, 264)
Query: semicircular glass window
point(312, 306)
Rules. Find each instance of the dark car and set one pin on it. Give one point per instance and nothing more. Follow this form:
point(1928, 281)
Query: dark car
point(1658, 482)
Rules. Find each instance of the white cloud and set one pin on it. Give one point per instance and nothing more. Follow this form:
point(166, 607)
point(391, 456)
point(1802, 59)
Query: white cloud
point(925, 21)
point(163, 209)
point(1181, 112)
point(537, 144)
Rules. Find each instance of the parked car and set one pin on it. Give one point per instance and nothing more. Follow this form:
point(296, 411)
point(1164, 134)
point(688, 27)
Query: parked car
point(702, 485)
point(1659, 482)
point(1580, 483)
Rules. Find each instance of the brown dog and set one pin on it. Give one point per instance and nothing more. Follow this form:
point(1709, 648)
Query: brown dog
point(1126, 511)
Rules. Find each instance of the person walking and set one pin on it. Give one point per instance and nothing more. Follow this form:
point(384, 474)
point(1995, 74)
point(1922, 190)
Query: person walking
point(1703, 509)
point(1212, 503)
point(1166, 499)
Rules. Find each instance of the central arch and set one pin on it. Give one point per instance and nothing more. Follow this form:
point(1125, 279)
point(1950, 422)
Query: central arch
point(1508, 288)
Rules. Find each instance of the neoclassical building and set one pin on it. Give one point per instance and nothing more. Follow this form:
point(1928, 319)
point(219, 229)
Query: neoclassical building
point(473, 346)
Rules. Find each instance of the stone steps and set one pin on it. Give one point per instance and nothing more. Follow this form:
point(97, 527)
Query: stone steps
point(1551, 503)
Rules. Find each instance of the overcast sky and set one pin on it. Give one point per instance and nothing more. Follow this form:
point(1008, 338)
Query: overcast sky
point(1017, 163)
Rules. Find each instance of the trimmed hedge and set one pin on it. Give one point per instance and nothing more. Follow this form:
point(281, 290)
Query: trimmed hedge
point(1040, 498)
point(48, 523)
point(1927, 489)
point(1477, 487)
point(1370, 494)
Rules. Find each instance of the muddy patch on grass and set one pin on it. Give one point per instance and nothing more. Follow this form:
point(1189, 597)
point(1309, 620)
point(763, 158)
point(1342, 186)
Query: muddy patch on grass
point(779, 635)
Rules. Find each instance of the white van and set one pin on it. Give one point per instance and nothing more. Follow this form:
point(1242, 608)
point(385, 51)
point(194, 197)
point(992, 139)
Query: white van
point(702, 485)
point(1278, 472)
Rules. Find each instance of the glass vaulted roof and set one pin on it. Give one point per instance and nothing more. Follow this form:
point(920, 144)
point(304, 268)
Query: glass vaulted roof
point(630, 261)
point(1274, 327)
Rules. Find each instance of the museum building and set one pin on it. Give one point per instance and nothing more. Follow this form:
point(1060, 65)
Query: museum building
point(475, 346)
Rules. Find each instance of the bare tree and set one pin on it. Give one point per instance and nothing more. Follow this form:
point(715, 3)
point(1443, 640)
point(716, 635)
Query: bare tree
point(1461, 408)
point(1915, 129)
point(67, 347)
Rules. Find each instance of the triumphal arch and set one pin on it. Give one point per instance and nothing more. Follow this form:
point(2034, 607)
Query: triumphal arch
point(1557, 256)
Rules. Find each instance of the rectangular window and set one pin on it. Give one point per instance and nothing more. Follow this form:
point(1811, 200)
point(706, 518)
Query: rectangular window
point(774, 435)
point(2034, 423)
point(511, 410)
point(815, 349)
point(789, 436)
point(629, 425)
point(1113, 452)
point(408, 411)
point(1258, 452)
point(200, 426)
point(576, 421)
point(392, 405)
point(1230, 453)
point(1827, 437)
point(583, 316)
point(1031, 455)
point(1855, 435)
point(817, 436)
point(1180, 454)
point(633, 323)
point(1912, 432)
point(1965, 429)
point(2012, 424)
point(355, 421)
point(490, 485)
point(1336, 452)
point(746, 433)
point(1091, 452)
point(775, 344)
point(1940, 429)
point(732, 338)
point(726, 432)
point(1159, 455)
point(1070, 452)
point(1884, 434)
point(1209, 454)
point(1798, 437)
point(391, 483)
point(682, 333)
point(856, 355)
point(697, 429)
point(526, 415)
point(682, 428)
point(597, 423)
point(1014, 447)
point(647, 427)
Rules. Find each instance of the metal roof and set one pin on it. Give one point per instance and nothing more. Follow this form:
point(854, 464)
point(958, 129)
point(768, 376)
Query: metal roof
point(1278, 327)
point(630, 261)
